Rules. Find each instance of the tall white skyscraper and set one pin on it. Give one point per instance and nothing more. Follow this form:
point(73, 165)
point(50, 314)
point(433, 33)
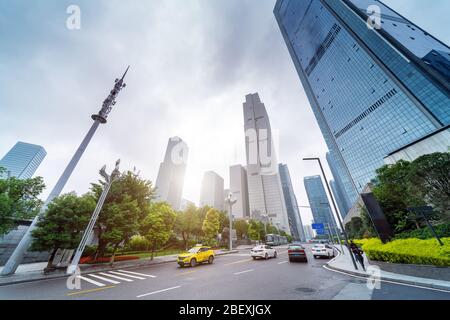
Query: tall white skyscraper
point(171, 174)
point(23, 160)
point(212, 191)
point(264, 186)
point(239, 189)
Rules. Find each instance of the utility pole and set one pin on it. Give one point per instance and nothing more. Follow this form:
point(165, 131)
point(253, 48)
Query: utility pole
point(231, 201)
point(109, 179)
point(335, 207)
point(101, 118)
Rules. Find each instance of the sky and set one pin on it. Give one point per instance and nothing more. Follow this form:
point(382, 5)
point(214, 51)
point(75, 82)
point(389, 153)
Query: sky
point(192, 63)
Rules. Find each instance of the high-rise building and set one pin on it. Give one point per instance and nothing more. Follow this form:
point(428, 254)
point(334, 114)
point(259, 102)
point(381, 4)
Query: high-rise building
point(345, 199)
point(23, 160)
point(373, 89)
point(170, 181)
point(338, 196)
point(211, 193)
point(239, 190)
point(309, 232)
point(295, 220)
point(318, 201)
point(265, 193)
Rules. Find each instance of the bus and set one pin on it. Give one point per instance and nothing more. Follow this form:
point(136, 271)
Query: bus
point(275, 240)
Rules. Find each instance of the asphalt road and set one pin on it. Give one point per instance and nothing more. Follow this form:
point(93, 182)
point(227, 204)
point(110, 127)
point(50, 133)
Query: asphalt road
point(234, 276)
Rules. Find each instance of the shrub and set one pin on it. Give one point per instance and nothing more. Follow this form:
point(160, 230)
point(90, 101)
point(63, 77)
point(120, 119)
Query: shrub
point(409, 251)
point(88, 260)
point(138, 243)
point(442, 230)
point(89, 250)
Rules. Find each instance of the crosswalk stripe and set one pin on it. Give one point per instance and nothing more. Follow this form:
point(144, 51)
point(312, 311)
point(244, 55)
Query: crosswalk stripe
point(98, 284)
point(104, 279)
point(116, 277)
point(127, 275)
point(138, 274)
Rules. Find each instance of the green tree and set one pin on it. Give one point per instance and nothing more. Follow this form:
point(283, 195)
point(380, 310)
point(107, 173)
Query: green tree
point(126, 206)
point(256, 230)
point(18, 200)
point(211, 225)
point(241, 227)
point(63, 224)
point(158, 226)
point(186, 223)
point(429, 179)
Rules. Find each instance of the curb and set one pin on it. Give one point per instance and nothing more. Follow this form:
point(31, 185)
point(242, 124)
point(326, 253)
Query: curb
point(61, 275)
point(391, 279)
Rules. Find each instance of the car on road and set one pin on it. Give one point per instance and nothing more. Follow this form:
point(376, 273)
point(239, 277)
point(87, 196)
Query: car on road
point(263, 252)
point(297, 252)
point(322, 250)
point(196, 255)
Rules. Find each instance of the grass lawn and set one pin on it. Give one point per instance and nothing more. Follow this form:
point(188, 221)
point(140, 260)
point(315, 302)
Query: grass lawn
point(145, 255)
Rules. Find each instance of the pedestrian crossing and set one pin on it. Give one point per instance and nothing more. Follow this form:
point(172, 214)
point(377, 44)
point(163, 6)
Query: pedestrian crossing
point(102, 279)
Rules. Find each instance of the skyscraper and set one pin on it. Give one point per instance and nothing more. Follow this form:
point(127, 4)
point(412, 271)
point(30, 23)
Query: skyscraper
point(372, 89)
point(23, 160)
point(339, 187)
point(212, 188)
point(295, 220)
point(170, 181)
point(239, 189)
point(338, 196)
point(318, 201)
point(264, 186)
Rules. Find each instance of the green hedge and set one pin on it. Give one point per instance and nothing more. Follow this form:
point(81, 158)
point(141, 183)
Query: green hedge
point(442, 230)
point(409, 251)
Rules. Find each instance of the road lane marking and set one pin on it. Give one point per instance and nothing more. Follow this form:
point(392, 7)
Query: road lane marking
point(236, 262)
point(155, 292)
point(98, 284)
point(283, 262)
point(116, 277)
point(88, 291)
point(104, 279)
point(138, 274)
point(246, 271)
point(127, 275)
point(186, 272)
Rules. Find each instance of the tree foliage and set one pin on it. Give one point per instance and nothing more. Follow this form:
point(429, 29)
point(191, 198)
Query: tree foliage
point(211, 226)
point(18, 200)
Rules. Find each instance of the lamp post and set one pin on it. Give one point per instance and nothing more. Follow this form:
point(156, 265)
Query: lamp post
point(109, 179)
point(334, 206)
point(101, 118)
point(230, 201)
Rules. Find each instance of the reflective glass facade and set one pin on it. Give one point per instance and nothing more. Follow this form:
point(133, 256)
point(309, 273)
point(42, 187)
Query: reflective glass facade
point(372, 91)
point(345, 202)
point(318, 201)
point(23, 160)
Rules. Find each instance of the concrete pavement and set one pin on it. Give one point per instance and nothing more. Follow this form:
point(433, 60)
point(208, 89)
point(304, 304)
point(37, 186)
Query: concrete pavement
point(233, 276)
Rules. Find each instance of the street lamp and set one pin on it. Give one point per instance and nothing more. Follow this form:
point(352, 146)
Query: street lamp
point(87, 233)
point(230, 201)
point(334, 206)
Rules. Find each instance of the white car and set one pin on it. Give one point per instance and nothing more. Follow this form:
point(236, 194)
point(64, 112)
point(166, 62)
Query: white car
point(263, 252)
point(322, 250)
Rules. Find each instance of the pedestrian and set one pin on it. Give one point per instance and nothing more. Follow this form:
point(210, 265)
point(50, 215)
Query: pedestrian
point(358, 254)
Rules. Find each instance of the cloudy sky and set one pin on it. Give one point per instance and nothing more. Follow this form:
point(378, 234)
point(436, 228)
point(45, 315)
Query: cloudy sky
point(192, 63)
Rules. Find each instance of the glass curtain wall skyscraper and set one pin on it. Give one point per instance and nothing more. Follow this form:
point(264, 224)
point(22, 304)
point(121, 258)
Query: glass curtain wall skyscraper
point(318, 201)
point(23, 160)
point(372, 90)
point(212, 191)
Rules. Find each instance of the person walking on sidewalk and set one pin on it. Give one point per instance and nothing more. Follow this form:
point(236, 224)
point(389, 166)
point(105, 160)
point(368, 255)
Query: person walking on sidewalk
point(358, 254)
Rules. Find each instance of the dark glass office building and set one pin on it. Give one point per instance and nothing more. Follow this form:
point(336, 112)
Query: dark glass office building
point(318, 201)
point(372, 90)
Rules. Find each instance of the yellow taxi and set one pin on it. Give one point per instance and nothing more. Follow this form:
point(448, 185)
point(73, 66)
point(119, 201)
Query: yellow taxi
point(196, 255)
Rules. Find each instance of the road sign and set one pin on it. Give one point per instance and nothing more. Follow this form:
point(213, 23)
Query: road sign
point(320, 231)
point(318, 226)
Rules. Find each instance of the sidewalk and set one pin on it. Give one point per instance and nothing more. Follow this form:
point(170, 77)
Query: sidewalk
point(343, 263)
point(34, 271)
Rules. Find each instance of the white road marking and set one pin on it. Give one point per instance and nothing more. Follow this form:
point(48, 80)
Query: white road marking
point(282, 262)
point(159, 291)
point(116, 277)
point(138, 274)
point(127, 275)
point(246, 271)
point(104, 279)
point(98, 284)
